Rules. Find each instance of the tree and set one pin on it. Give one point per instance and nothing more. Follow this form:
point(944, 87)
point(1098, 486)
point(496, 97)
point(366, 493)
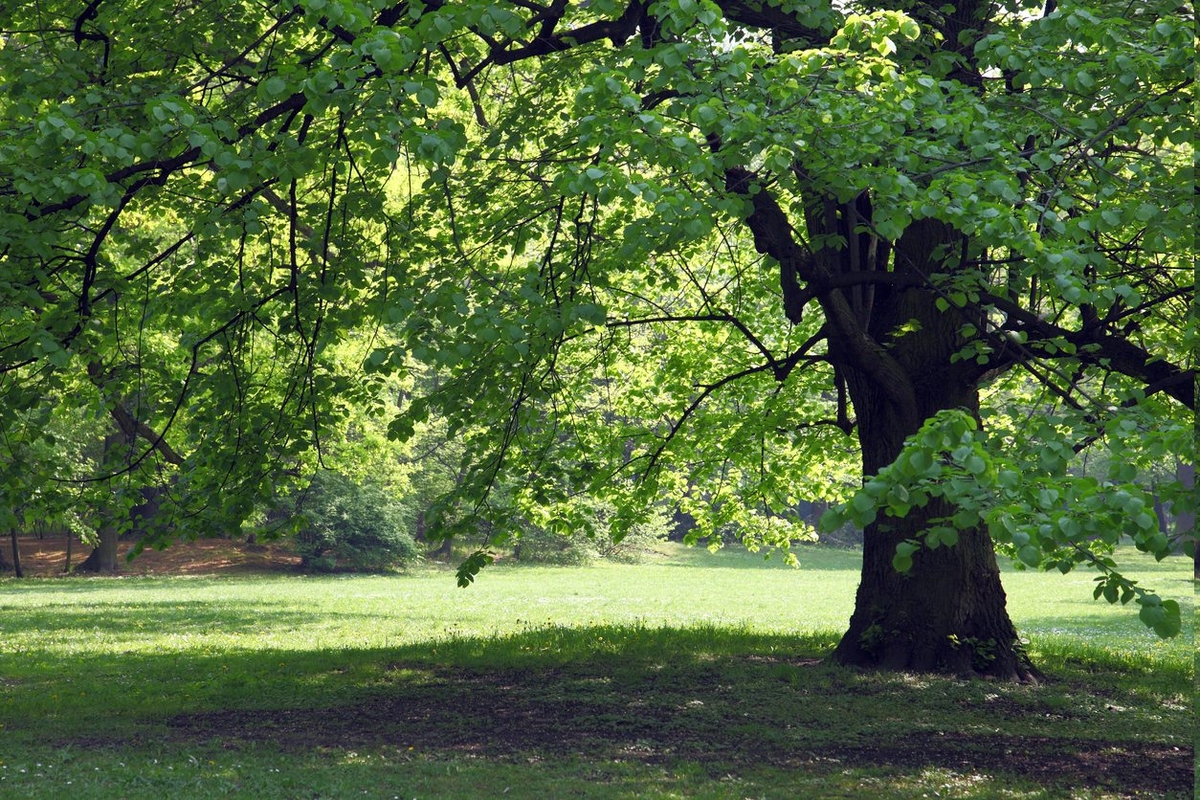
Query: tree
point(692, 249)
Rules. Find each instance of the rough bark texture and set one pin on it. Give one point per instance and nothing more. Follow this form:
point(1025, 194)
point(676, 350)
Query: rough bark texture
point(948, 614)
point(894, 348)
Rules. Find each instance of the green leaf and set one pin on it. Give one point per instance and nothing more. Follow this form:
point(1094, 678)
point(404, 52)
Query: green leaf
point(902, 561)
point(831, 521)
point(921, 462)
point(471, 566)
point(1030, 555)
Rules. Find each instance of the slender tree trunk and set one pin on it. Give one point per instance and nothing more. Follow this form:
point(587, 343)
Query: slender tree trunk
point(16, 555)
point(1185, 523)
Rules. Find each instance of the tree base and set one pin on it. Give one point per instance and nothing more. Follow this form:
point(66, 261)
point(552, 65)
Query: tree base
point(946, 615)
point(964, 657)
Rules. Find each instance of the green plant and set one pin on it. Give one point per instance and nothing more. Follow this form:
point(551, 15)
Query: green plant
point(333, 686)
point(586, 535)
point(348, 525)
point(983, 652)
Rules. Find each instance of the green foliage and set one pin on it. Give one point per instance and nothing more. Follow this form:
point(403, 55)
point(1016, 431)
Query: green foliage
point(1013, 483)
point(344, 524)
point(670, 252)
point(584, 534)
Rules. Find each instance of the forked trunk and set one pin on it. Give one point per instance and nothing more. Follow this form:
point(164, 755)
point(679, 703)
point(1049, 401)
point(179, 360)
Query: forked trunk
point(948, 613)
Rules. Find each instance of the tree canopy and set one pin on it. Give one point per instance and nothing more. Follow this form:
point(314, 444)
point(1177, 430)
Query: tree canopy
point(724, 254)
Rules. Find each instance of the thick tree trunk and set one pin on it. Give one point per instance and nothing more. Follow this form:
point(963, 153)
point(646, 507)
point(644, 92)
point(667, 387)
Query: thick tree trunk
point(103, 558)
point(948, 613)
point(895, 350)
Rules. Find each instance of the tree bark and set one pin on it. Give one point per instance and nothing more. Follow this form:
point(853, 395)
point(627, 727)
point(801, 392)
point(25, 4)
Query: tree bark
point(16, 556)
point(1185, 521)
point(103, 558)
point(948, 613)
point(895, 349)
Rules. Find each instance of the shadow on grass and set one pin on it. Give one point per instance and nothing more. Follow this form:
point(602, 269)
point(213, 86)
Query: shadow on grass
point(725, 701)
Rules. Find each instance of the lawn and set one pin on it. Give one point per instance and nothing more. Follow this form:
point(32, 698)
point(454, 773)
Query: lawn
point(697, 675)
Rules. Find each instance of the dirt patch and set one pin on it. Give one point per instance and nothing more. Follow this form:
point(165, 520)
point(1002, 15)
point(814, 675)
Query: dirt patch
point(48, 557)
point(516, 716)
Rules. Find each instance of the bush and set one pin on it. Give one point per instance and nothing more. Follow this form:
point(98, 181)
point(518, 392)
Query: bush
point(350, 526)
point(577, 546)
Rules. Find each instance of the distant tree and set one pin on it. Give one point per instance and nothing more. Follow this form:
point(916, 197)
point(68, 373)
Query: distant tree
point(705, 250)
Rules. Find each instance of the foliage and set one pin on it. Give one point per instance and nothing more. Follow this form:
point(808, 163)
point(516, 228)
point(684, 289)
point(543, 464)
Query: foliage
point(707, 252)
point(344, 524)
point(1017, 488)
point(583, 537)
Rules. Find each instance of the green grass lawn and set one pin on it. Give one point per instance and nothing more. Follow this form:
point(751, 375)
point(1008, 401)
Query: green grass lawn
point(693, 676)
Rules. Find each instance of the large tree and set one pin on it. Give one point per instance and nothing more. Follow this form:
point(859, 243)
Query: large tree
point(683, 249)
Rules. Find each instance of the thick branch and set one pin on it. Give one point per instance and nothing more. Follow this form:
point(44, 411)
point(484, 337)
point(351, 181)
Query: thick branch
point(764, 16)
point(546, 41)
point(848, 341)
point(1122, 355)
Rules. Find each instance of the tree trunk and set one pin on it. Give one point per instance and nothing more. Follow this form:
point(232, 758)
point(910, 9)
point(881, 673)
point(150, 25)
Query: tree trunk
point(894, 350)
point(948, 613)
point(103, 559)
point(1185, 522)
point(16, 556)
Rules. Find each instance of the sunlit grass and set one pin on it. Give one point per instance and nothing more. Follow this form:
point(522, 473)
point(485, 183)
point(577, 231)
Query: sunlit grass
point(92, 673)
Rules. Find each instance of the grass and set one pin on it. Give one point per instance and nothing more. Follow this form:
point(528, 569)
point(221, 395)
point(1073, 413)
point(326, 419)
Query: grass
point(694, 676)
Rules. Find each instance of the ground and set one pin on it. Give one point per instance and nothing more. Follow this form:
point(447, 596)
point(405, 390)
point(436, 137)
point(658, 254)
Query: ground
point(48, 556)
point(532, 717)
point(654, 716)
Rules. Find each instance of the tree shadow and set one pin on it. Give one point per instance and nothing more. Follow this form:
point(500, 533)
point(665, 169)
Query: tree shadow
point(733, 701)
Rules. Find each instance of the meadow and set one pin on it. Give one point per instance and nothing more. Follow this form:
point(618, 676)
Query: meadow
point(693, 675)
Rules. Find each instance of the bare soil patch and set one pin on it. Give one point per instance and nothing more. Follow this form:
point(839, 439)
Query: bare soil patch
point(520, 716)
point(44, 557)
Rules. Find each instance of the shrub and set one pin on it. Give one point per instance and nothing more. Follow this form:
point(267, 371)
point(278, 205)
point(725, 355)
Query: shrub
point(350, 526)
point(589, 541)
